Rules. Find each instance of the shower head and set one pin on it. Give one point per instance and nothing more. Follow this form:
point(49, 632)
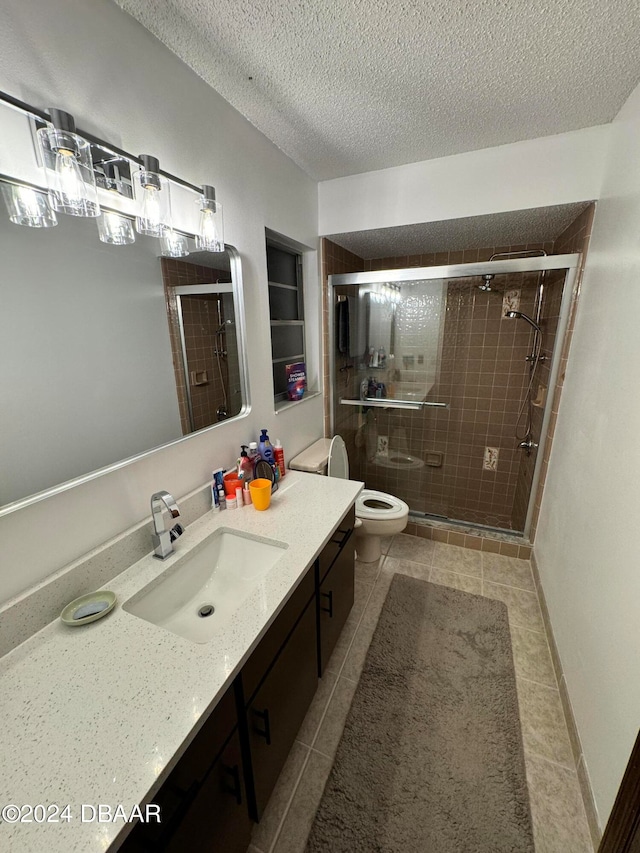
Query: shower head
point(223, 327)
point(513, 315)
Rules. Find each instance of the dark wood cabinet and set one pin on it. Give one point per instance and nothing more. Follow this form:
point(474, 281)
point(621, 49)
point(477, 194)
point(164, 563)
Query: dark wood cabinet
point(279, 706)
point(273, 641)
point(337, 542)
point(203, 803)
point(217, 819)
point(335, 600)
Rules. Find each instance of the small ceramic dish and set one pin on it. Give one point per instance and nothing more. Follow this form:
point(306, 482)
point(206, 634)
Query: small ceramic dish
point(88, 608)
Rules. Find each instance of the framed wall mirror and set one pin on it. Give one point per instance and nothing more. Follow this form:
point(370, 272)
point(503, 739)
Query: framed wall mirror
point(108, 351)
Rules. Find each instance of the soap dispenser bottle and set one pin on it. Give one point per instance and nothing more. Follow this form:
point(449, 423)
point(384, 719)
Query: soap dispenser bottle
point(245, 465)
point(265, 448)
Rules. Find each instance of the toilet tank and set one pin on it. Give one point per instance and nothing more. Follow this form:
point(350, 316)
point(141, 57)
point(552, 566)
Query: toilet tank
point(314, 459)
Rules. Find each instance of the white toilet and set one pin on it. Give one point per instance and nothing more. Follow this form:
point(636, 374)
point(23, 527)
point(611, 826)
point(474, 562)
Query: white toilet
point(377, 513)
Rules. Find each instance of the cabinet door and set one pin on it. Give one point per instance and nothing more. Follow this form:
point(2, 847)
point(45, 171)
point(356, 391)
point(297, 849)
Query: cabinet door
point(263, 656)
point(335, 600)
point(338, 540)
point(278, 708)
point(217, 821)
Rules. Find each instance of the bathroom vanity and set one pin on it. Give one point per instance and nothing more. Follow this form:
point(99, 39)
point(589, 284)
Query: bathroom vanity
point(125, 711)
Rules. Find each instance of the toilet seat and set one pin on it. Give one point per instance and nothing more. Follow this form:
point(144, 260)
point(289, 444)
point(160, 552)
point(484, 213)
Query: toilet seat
point(393, 508)
point(338, 463)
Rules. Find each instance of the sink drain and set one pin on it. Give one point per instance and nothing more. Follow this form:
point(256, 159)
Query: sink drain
point(205, 610)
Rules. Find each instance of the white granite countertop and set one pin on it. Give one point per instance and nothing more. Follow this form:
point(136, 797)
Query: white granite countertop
point(101, 713)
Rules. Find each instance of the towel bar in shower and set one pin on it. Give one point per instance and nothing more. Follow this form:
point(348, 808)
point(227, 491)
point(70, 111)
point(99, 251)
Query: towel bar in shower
point(390, 403)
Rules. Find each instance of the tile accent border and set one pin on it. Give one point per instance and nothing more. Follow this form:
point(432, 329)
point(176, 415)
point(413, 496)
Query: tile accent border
point(29, 612)
point(576, 746)
point(469, 537)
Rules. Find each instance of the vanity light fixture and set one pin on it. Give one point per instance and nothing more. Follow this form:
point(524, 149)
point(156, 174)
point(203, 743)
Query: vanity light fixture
point(152, 195)
point(27, 206)
point(210, 235)
point(68, 167)
point(113, 228)
point(173, 245)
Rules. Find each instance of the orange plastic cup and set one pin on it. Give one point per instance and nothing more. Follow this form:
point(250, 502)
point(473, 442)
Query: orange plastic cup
point(260, 493)
point(231, 483)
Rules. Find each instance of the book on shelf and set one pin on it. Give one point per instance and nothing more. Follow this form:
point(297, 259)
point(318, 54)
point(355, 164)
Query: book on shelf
point(296, 380)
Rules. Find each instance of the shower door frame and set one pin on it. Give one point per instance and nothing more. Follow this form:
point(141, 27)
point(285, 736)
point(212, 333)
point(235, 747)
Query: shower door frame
point(570, 263)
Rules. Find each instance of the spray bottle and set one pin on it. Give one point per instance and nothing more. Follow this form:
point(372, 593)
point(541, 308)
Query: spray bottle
point(278, 453)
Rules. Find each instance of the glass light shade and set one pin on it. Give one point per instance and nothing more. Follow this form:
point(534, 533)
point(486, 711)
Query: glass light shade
point(69, 170)
point(173, 245)
point(210, 236)
point(27, 206)
point(115, 229)
point(154, 203)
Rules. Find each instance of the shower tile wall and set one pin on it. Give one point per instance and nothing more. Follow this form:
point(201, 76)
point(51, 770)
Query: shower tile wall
point(483, 377)
point(200, 317)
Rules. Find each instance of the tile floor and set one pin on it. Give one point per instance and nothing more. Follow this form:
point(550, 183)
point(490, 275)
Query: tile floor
point(559, 820)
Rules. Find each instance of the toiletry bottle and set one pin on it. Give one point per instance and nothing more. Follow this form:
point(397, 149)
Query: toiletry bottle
point(265, 447)
point(245, 466)
point(232, 503)
point(239, 498)
point(364, 389)
point(254, 456)
point(278, 452)
point(222, 501)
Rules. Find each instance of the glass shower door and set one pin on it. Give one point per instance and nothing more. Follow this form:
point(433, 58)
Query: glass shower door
point(441, 386)
point(389, 340)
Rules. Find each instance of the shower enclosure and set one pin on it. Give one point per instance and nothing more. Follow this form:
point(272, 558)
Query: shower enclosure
point(442, 380)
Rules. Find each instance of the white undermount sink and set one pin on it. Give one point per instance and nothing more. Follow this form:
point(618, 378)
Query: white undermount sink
point(207, 586)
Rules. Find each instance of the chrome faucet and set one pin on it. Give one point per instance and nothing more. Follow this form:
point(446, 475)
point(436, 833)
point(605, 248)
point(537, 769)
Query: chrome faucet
point(162, 538)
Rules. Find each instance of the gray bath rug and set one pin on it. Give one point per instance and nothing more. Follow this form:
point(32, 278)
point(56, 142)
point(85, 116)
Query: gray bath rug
point(431, 757)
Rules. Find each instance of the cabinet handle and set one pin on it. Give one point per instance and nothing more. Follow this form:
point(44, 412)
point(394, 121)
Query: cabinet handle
point(328, 609)
point(236, 789)
point(266, 732)
point(345, 535)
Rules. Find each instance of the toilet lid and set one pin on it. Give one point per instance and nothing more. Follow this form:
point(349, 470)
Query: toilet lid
point(379, 505)
point(338, 459)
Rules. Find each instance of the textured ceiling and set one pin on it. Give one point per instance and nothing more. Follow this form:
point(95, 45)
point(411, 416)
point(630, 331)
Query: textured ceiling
point(348, 87)
point(516, 228)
